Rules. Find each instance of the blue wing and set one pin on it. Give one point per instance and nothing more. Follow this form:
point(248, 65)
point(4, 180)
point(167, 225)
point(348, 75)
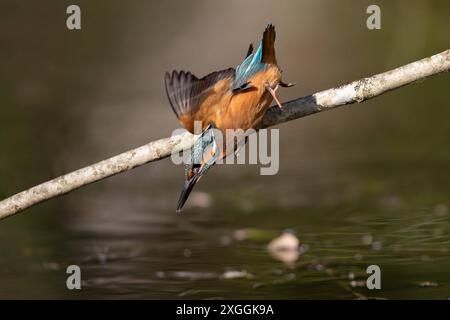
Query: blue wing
point(247, 69)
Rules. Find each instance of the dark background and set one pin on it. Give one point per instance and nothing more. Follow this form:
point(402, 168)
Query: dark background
point(365, 184)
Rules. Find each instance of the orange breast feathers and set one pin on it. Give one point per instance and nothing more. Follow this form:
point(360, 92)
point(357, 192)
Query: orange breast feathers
point(247, 108)
point(243, 110)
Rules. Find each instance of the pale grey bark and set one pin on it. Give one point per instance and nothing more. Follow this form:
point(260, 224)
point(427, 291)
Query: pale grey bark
point(356, 91)
point(359, 90)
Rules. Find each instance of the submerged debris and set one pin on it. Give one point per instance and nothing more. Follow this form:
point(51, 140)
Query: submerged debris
point(187, 275)
point(285, 248)
point(428, 284)
point(287, 241)
point(236, 274)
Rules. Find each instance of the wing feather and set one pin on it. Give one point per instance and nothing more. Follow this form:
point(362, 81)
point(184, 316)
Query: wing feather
point(185, 91)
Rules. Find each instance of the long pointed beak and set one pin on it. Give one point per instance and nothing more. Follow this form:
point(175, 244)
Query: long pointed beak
point(187, 188)
point(287, 85)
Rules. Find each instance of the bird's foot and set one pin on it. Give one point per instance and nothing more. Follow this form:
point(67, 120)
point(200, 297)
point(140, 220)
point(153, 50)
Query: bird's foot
point(274, 96)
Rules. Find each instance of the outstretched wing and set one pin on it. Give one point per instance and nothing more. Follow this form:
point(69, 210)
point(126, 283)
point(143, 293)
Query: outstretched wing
point(185, 91)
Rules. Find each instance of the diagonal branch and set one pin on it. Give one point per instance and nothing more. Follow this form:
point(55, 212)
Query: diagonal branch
point(356, 91)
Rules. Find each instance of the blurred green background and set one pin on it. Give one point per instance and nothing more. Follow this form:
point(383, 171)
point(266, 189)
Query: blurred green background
point(360, 185)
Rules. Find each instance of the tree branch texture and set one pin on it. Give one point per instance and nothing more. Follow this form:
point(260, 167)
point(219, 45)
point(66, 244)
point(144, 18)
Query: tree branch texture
point(356, 91)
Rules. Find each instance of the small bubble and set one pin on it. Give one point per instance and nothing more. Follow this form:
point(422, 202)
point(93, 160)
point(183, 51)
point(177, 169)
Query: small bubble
point(377, 245)
point(428, 284)
point(225, 241)
point(102, 258)
point(240, 235)
point(187, 253)
point(50, 266)
point(258, 285)
point(319, 267)
point(438, 232)
point(200, 200)
point(290, 276)
point(357, 283)
point(236, 274)
point(440, 210)
point(367, 239)
point(303, 248)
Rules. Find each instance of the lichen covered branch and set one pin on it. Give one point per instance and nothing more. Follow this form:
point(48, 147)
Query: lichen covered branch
point(356, 91)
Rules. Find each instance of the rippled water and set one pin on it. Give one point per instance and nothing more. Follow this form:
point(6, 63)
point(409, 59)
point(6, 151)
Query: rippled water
point(199, 256)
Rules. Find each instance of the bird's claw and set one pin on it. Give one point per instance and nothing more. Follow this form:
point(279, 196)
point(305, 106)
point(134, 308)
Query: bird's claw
point(274, 96)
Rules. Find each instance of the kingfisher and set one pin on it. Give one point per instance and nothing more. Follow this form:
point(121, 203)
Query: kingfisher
point(227, 99)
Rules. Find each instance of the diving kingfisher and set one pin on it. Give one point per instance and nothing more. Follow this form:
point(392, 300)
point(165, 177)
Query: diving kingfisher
point(227, 99)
